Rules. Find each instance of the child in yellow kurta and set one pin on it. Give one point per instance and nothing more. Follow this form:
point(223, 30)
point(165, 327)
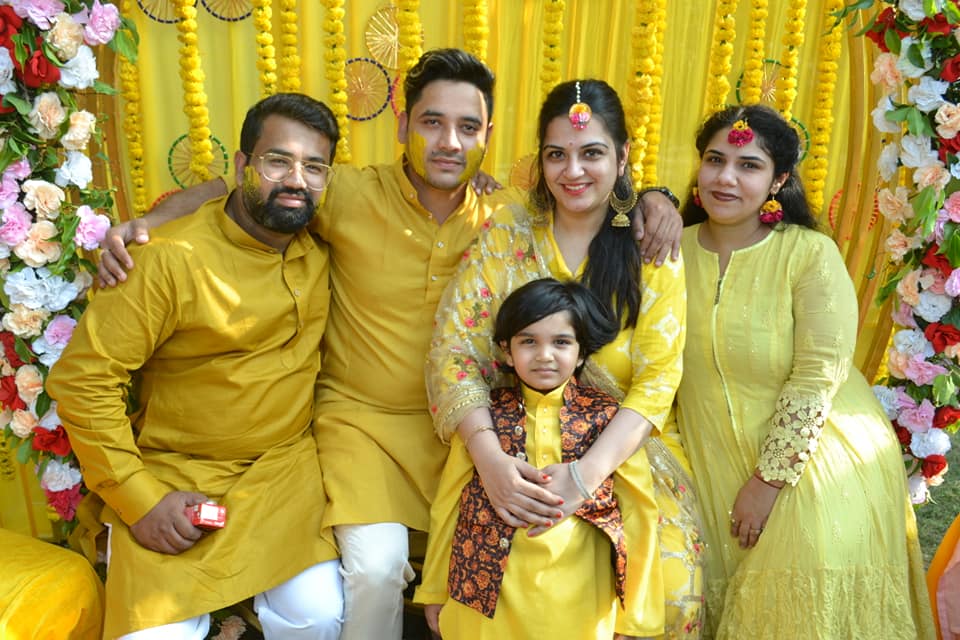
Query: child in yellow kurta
point(502, 582)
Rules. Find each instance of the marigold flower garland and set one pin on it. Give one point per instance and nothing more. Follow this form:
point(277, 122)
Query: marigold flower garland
point(918, 74)
point(642, 49)
point(552, 30)
point(336, 59)
point(659, 17)
point(721, 52)
point(408, 37)
point(815, 173)
point(751, 84)
point(266, 53)
point(133, 126)
point(789, 61)
point(289, 51)
point(476, 31)
point(194, 97)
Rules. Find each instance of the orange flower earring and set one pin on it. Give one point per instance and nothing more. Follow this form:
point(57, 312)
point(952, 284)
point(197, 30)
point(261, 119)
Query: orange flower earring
point(772, 211)
point(696, 197)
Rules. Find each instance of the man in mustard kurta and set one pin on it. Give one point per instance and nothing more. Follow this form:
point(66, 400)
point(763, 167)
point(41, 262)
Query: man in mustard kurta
point(219, 326)
point(397, 232)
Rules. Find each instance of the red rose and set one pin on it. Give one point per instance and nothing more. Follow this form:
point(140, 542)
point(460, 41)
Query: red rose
point(38, 70)
point(9, 349)
point(878, 30)
point(933, 465)
point(948, 145)
point(903, 434)
point(951, 69)
point(941, 335)
point(9, 396)
point(55, 440)
point(945, 416)
point(936, 24)
point(65, 502)
point(936, 260)
point(9, 25)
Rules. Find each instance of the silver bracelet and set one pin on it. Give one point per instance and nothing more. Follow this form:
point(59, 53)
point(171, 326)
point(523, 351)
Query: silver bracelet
point(577, 480)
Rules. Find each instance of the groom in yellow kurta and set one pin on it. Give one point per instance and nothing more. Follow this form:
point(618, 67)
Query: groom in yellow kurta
point(221, 321)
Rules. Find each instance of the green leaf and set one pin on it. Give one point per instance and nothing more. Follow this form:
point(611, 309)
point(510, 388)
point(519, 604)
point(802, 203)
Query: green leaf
point(944, 390)
point(103, 87)
point(20, 346)
point(43, 404)
point(930, 7)
point(25, 451)
point(952, 317)
point(950, 247)
point(917, 123)
point(915, 55)
point(891, 284)
point(892, 39)
point(126, 40)
point(925, 206)
point(899, 114)
point(22, 106)
point(952, 12)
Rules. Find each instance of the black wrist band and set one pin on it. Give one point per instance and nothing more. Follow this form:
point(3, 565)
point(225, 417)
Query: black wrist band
point(665, 191)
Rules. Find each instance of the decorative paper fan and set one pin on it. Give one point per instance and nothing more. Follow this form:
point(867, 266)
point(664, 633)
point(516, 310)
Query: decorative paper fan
point(229, 10)
point(178, 161)
point(368, 88)
point(521, 174)
point(804, 138)
point(768, 85)
point(383, 36)
point(164, 11)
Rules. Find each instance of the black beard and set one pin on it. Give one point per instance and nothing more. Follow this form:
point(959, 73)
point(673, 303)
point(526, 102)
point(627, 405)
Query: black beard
point(277, 218)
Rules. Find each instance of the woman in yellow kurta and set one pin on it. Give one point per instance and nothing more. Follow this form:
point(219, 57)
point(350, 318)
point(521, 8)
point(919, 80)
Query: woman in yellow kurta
point(641, 368)
point(803, 494)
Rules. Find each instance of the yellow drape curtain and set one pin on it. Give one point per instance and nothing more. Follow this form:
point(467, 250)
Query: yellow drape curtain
point(597, 43)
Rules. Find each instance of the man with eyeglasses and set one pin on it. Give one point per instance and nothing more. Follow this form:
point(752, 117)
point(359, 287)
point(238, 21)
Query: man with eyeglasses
point(219, 326)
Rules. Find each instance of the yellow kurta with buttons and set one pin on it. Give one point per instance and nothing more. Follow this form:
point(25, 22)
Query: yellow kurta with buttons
point(223, 333)
point(390, 262)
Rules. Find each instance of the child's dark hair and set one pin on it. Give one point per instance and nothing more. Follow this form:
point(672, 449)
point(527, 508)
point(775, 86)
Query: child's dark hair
point(593, 322)
point(778, 140)
point(613, 258)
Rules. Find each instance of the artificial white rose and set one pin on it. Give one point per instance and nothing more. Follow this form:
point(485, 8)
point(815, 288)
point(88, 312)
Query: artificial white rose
point(80, 71)
point(914, 8)
point(933, 306)
point(59, 476)
point(47, 115)
point(918, 489)
point(928, 93)
point(905, 66)
point(912, 342)
point(76, 169)
point(889, 161)
point(880, 121)
point(7, 81)
point(916, 151)
point(39, 289)
point(888, 400)
point(930, 442)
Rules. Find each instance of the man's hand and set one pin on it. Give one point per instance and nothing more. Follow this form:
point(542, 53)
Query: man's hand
point(166, 528)
point(484, 183)
point(659, 229)
point(432, 613)
point(115, 260)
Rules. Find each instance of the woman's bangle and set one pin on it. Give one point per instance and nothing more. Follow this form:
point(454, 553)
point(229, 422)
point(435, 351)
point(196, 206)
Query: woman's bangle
point(577, 480)
point(484, 427)
point(758, 476)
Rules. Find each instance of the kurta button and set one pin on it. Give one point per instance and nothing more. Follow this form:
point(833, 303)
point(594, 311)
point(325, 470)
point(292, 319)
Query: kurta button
point(521, 455)
point(440, 244)
point(296, 292)
point(504, 543)
point(433, 278)
point(518, 430)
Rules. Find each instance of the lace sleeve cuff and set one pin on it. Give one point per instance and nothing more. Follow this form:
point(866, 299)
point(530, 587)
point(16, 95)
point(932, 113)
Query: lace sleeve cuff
point(794, 433)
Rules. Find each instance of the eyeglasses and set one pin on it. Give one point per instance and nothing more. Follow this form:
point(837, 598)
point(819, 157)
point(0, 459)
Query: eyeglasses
point(277, 168)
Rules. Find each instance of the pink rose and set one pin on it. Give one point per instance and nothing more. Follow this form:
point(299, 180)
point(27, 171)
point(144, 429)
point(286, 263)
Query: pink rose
point(931, 175)
point(886, 74)
point(895, 206)
point(952, 206)
point(19, 169)
point(918, 418)
point(952, 286)
point(59, 331)
point(29, 383)
point(93, 226)
point(103, 22)
point(9, 191)
point(39, 12)
point(39, 247)
point(15, 224)
point(909, 288)
point(922, 372)
point(43, 197)
point(948, 120)
point(932, 280)
point(903, 316)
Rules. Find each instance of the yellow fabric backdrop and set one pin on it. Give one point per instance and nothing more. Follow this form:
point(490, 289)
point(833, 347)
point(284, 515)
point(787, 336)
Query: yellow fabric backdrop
point(596, 41)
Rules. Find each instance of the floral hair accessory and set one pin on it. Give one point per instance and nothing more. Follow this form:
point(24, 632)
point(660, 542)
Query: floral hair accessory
point(580, 112)
point(741, 133)
point(772, 211)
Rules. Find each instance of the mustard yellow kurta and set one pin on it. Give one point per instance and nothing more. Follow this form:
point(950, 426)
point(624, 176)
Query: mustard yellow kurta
point(390, 262)
point(556, 585)
point(768, 362)
point(224, 332)
point(642, 367)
